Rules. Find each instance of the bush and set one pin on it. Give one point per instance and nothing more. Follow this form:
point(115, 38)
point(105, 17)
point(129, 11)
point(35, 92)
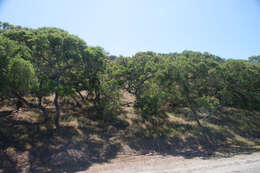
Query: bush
point(150, 101)
point(109, 101)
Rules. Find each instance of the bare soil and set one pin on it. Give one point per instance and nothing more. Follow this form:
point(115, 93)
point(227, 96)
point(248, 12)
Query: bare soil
point(170, 164)
point(126, 143)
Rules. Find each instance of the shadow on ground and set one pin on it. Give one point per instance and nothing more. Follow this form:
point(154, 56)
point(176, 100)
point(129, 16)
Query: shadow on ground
point(26, 147)
point(29, 147)
point(231, 131)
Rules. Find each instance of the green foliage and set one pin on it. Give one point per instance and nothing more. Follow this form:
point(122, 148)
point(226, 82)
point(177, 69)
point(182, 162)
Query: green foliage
point(108, 91)
point(16, 73)
point(21, 75)
point(137, 76)
point(109, 100)
point(239, 84)
point(254, 59)
point(150, 101)
point(50, 61)
point(137, 70)
point(207, 103)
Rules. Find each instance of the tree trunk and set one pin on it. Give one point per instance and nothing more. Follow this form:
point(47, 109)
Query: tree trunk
point(195, 116)
point(81, 96)
point(56, 102)
point(43, 109)
point(187, 95)
point(214, 111)
point(76, 101)
point(57, 106)
point(97, 99)
point(39, 106)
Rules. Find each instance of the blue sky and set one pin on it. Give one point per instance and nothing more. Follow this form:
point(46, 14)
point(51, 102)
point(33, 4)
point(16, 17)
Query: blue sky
point(227, 28)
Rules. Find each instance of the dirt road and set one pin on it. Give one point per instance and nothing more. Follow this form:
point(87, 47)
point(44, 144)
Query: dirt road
point(168, 164)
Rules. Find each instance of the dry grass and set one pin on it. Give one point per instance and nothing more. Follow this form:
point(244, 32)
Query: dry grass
point(230, 131)
point(179, 120)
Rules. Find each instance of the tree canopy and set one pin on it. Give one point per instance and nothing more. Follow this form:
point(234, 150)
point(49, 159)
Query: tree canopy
point(47, 62)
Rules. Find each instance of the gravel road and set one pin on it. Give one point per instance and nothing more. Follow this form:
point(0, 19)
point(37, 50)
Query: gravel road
point(169, 164)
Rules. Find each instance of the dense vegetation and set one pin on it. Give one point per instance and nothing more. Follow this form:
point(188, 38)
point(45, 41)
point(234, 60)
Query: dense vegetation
point(49, 64)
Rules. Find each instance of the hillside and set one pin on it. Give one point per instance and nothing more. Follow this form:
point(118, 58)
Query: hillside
point(81, 142)
point(65, 105)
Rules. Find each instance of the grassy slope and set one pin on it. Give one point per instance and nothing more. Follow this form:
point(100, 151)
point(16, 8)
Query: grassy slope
point(82, 141)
